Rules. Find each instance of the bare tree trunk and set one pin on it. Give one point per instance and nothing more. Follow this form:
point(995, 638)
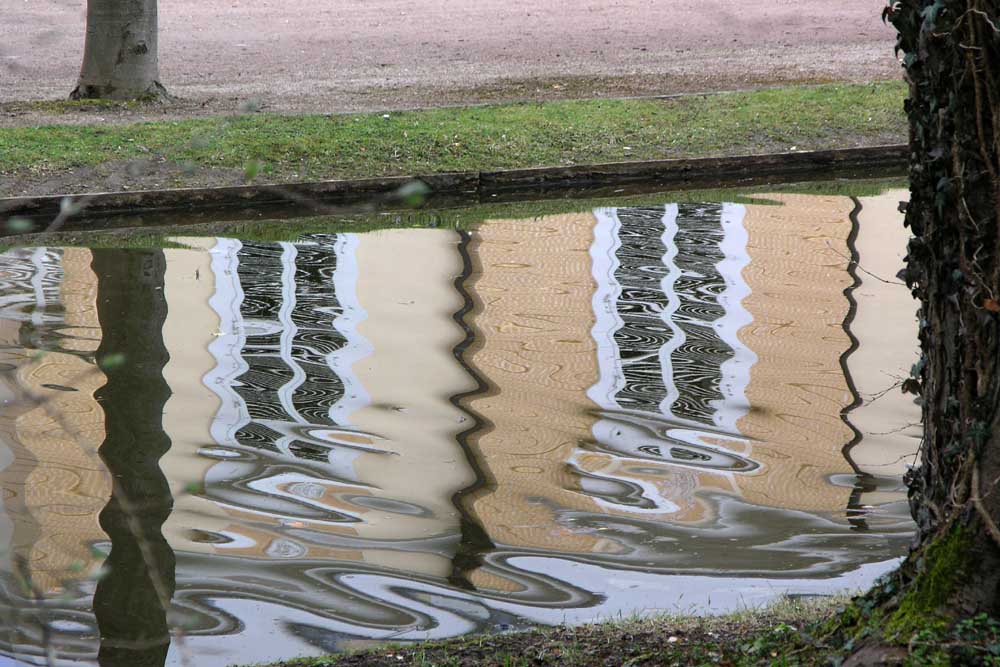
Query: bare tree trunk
point(133, 598)
point(120, 59)
point(951, 54)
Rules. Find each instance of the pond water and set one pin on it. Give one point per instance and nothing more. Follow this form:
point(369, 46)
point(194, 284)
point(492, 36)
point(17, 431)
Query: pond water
point(270, 449)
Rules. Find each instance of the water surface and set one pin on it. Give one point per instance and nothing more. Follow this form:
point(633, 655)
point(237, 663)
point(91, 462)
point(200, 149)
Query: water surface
point(266, 449)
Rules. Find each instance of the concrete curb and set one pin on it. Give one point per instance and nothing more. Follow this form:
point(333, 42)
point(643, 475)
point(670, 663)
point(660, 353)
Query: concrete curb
point(469, 188)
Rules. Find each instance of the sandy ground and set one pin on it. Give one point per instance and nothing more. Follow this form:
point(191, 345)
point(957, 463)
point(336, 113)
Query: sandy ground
point(351, 55)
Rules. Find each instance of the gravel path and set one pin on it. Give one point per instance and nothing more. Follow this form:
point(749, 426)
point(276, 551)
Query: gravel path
point(355, 55)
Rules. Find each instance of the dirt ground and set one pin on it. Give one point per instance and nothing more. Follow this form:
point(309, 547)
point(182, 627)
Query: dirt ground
point(355, 55)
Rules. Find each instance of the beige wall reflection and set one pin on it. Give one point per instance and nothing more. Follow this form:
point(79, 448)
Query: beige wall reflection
point(532, 290)
point(406, 285)
point(797, 391)
point(400, 489)
point(187, 416)
point(532, 286)
point(885, 324)
point(55, 484)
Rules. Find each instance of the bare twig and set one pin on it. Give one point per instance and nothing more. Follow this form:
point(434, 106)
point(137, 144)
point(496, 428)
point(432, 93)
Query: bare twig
point(863, 269)
point(984, 514)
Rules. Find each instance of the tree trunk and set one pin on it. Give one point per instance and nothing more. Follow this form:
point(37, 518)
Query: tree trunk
point(951, 52)
point(120, 59)
point(132, 599)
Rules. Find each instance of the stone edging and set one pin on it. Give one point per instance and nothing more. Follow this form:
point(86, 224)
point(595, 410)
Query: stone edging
point(467, 188)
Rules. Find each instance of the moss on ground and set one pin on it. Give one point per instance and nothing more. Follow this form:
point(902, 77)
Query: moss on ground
point(947, 560)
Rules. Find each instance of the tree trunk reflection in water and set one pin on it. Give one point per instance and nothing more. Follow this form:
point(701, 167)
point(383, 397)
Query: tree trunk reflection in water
point(132, 598)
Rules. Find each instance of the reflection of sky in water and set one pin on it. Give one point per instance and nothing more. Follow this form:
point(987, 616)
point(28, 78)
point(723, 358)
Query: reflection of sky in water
point(635, 441)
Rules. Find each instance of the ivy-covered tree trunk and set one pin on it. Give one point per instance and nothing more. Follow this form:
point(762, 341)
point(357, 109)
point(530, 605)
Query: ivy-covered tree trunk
point(951, 55)
point(120, 59)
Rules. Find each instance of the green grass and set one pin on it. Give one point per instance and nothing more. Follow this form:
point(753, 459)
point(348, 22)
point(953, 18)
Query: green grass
point(478, 138)
point(747, 637)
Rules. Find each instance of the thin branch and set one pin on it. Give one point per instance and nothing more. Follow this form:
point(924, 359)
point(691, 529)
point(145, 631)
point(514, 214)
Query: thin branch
point(981, 14)
point(894, 431)
point(863, 269)
point(984, 514)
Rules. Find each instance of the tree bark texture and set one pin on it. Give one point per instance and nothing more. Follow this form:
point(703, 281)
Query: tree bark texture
point(951, 55)
point(120, 60)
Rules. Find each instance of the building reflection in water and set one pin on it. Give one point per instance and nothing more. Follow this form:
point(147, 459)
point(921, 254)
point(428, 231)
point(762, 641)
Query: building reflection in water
point(54, 484)
point(415, 433)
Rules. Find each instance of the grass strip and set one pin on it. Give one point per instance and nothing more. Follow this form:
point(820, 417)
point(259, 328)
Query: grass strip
point(791, 633)
point(748, 637)
point(283, 148)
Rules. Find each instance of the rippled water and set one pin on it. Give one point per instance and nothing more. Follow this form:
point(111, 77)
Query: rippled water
point(274, 449)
